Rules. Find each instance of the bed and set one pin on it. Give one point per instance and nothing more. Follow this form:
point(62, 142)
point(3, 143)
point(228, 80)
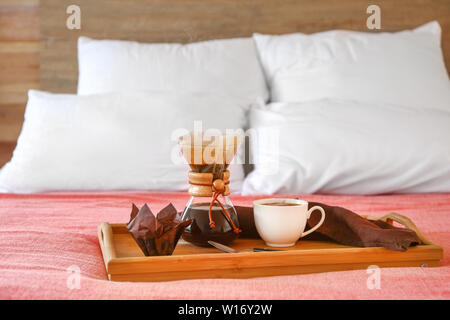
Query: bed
point(46, 237)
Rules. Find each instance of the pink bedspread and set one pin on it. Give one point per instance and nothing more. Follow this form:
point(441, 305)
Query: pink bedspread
point(41, 236)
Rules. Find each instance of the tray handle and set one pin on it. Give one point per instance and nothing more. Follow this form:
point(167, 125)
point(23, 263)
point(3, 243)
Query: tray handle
point(393, 216)
point(106, 239)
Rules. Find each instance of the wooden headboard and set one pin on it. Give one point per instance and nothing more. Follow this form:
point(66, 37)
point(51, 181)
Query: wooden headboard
point(195, 20)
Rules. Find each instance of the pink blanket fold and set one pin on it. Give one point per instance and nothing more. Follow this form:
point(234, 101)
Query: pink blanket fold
point(45, 239)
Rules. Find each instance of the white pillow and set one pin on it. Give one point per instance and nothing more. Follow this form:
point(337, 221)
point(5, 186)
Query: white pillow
point(405, 68)
point(228, 66)
point(346, 147)
point(112, 141)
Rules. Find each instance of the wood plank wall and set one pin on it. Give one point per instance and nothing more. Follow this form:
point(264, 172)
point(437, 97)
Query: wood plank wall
point(19, 67)
point(19, 62)
point(196, 20)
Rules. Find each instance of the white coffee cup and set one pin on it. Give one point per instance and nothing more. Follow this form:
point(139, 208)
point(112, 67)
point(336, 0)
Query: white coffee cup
point(282, 225)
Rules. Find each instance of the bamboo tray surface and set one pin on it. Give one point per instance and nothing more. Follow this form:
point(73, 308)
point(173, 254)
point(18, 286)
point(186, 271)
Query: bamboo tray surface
point(124, 260)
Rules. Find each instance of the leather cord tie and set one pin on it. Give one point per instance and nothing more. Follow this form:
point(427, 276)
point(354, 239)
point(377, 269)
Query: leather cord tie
point(218, 188)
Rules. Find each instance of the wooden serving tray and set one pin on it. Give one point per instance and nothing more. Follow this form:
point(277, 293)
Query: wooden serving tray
point(124, 260)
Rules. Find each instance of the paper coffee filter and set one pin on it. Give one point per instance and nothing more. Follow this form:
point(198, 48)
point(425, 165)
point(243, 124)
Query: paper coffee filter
point(199, 148)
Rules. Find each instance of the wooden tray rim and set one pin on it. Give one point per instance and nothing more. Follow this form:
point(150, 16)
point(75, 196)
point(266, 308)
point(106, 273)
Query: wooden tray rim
point(238, 261)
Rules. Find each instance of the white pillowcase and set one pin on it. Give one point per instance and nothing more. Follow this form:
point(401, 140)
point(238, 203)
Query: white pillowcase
point(346, 147)
point(229, 66)
point(112, 141)
point(404, 68)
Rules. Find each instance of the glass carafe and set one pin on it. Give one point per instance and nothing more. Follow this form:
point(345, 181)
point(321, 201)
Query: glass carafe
point(211, 210)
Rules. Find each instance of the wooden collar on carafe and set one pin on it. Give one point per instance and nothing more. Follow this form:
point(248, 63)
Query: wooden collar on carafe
point(202, 185)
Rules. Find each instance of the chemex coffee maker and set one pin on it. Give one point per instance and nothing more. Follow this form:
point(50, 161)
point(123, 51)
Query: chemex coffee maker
point(213, 215)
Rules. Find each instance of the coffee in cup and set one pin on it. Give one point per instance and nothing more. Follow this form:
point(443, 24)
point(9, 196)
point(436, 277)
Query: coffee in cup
point(281, 222)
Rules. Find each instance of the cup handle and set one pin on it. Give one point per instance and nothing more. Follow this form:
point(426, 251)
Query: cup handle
point(317, 225)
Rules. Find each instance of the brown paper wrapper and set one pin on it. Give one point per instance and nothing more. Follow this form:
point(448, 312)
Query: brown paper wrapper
point(156, 236)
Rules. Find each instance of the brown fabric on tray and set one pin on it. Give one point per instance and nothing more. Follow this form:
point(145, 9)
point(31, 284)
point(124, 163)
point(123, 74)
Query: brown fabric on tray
point(342, 226)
